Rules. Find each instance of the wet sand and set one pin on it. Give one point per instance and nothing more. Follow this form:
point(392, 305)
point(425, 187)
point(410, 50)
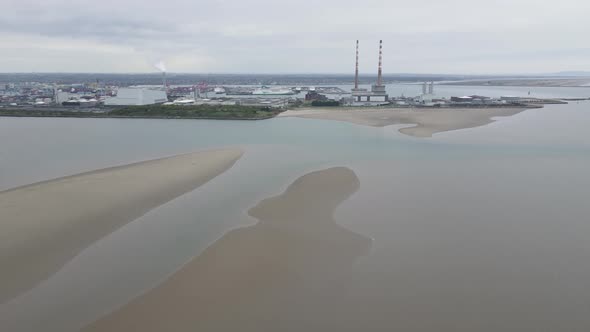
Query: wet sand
point(427, 121)
point(261, 277)
point(44, 225)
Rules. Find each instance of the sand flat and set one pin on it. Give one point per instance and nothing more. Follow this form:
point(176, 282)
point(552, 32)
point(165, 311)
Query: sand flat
point(427, 121)
point(258, 278)
point(44, 225)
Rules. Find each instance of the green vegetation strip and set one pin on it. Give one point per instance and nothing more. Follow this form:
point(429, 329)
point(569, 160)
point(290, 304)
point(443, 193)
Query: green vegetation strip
point(233, 112)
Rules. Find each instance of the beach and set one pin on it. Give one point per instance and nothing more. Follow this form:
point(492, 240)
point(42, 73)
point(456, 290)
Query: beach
point(427, 121)
point(44, 225)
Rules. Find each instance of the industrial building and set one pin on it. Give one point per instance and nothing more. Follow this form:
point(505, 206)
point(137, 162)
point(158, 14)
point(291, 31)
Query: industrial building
point(82, 102)
point(463, 99)
point(260, 102)
point(427, 96)
point(314, 95)
point(377, 95)
point(137, 96)
point(475, 99)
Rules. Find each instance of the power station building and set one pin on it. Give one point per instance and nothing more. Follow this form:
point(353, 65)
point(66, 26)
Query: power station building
point(427, 95)
point(378, 94)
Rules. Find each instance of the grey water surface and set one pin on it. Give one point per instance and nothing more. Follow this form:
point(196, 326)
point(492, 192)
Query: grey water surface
point(482, 229)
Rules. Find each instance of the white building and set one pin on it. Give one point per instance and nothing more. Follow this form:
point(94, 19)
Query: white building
point(511, 99)
point(427, 95)
point(137, 96)
point(61, 96)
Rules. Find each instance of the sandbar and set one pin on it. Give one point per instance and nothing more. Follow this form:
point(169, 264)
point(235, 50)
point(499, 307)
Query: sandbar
point(46, 224)
point(258, 278)
point(427, 121)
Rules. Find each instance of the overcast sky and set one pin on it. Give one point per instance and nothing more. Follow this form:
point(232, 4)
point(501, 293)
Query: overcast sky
point(264, 36)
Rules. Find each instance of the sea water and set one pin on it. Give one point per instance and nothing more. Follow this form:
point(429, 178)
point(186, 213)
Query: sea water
point(478, 229)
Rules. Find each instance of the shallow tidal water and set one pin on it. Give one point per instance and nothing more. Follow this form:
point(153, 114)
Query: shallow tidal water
point(482, 229)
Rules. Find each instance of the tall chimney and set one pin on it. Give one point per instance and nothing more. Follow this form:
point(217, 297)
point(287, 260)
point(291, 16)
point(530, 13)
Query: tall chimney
point(164, 81)
point(379, 78)
point(356, 67)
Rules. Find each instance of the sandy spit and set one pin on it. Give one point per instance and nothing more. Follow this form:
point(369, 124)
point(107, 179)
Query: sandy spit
point(427, 121)
point(44, 225)
point(261, 277)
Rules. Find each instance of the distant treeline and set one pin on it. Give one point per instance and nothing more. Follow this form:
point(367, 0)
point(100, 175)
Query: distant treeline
point(49, 113)
point(222, 112)
point(325, 103)
point(197, 111)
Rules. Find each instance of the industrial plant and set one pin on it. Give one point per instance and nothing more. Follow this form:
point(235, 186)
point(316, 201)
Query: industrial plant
point(377, 95)
point(92, 94)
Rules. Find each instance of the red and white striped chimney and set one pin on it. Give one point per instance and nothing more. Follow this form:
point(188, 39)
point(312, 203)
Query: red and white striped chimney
point(356, 67)
point(379, 78)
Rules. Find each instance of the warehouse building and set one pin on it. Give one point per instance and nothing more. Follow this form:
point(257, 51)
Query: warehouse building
point(137, 96)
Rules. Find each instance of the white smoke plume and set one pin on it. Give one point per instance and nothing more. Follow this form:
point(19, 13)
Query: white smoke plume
point(160, 66)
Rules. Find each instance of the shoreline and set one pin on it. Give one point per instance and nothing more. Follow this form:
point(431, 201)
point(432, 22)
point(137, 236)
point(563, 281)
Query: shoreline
point(548, 82)
point(157, 111)
point(426, 121)
point(46, 224)
point(103, 116)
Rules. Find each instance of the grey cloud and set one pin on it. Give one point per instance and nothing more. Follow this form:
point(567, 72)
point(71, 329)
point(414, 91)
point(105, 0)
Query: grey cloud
point(103, 28)
point(265, 35)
